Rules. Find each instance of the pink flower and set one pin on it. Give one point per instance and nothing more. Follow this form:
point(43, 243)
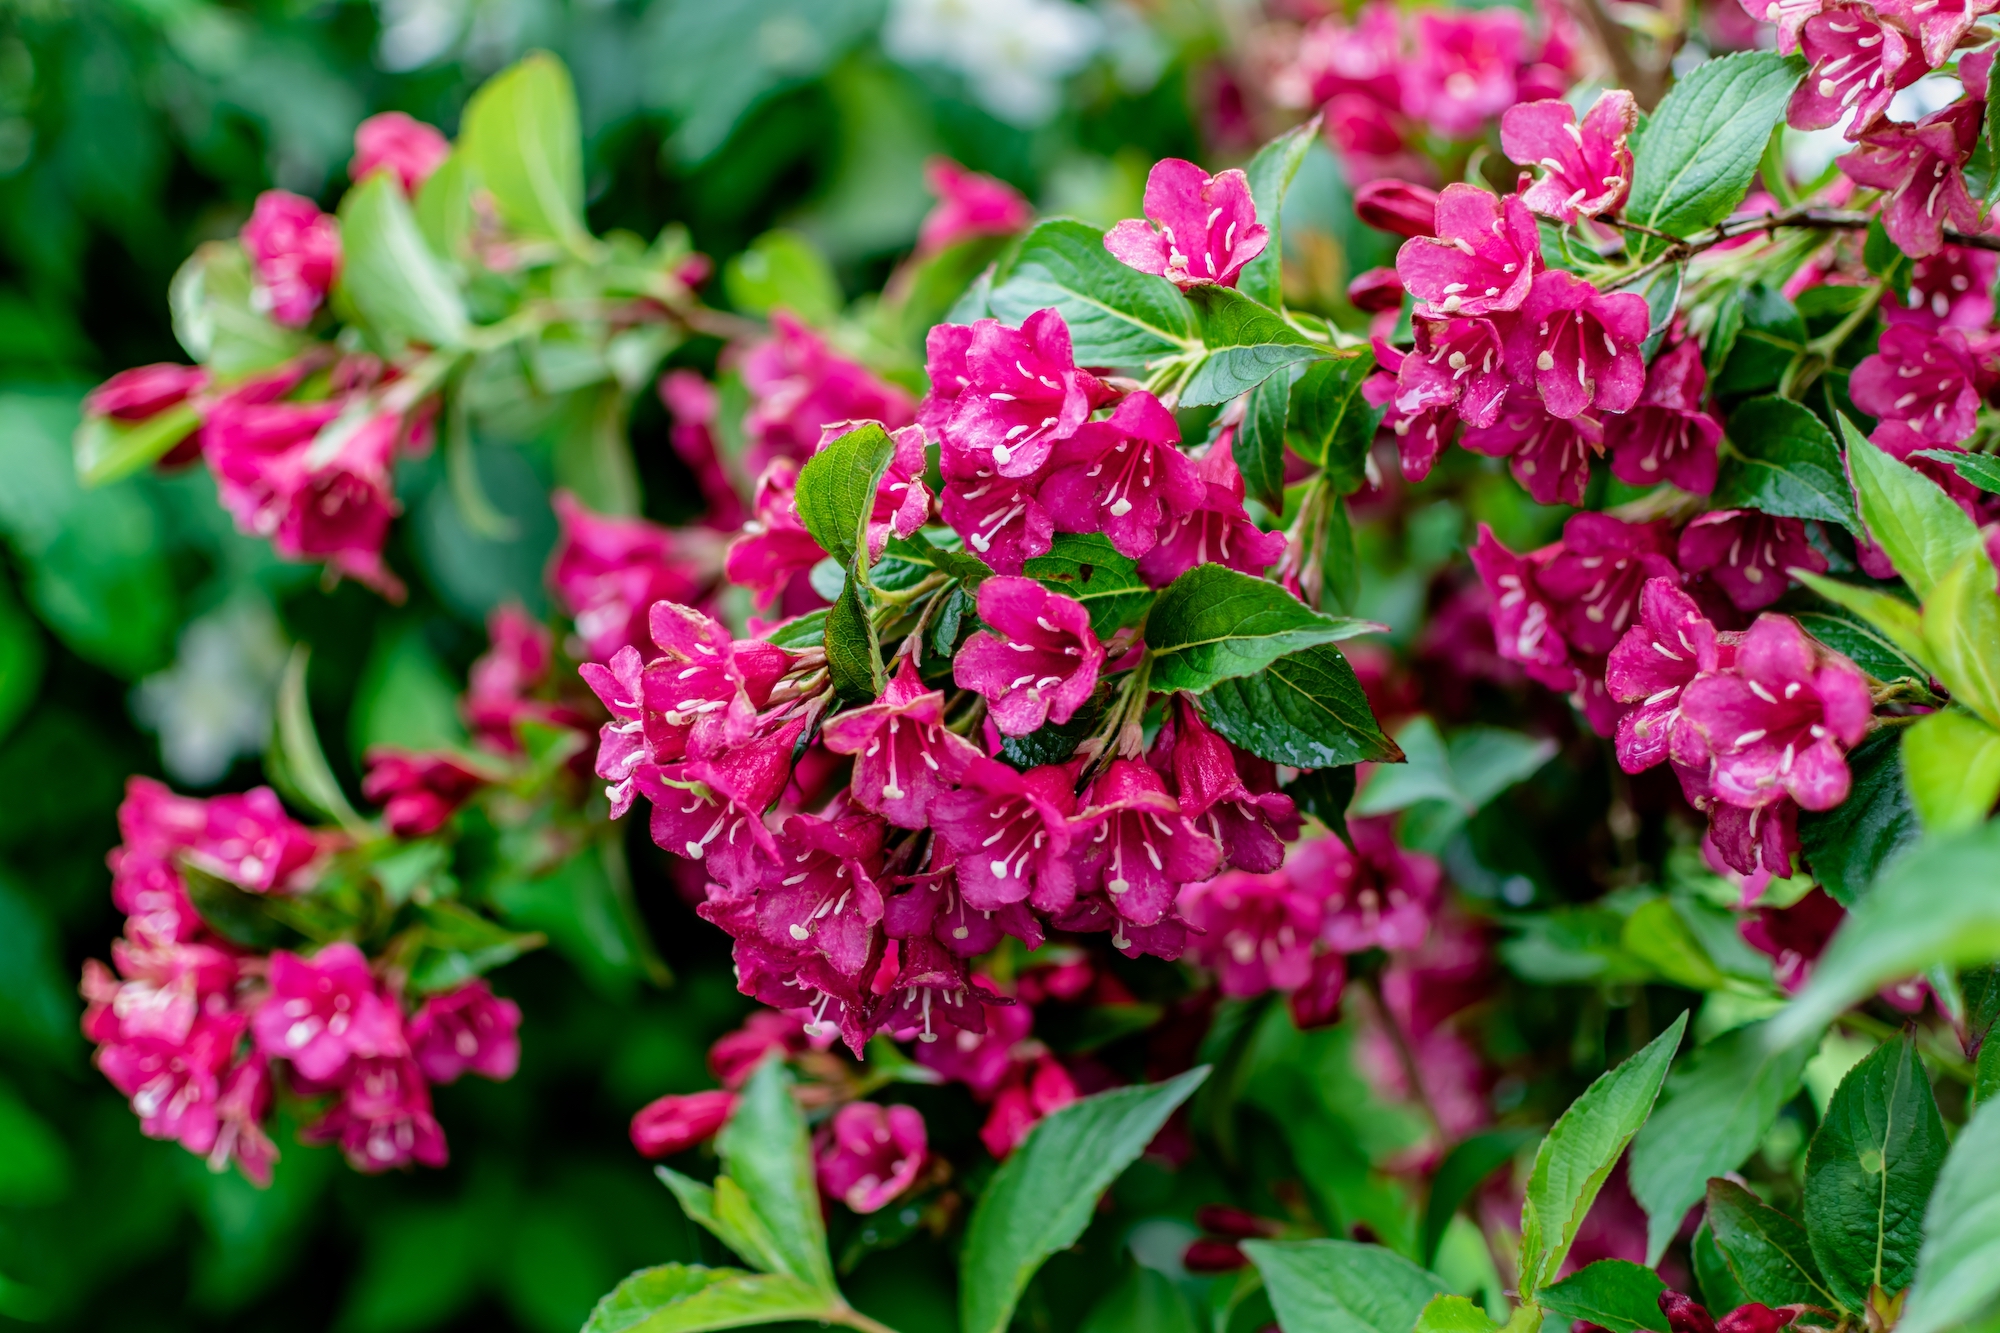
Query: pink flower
point(1667, 436)
point(999, 518)
point(502, 679)
point(144, 391)
point(1123, 477)
point(1208, 228)
point(1133, 842)
point(1794, 937)
point(1670, 644)
point(1216, 531)
point(692, 402)
point(1258, 931)
point(933, 988)
point(1376, 896)
point(676, 1123)
point(395, 142)
point(469, 1029)
point(1789, 15)
point(1010, 835)
point(174, 1086)
point(982, 1060)
point(1251, 826)
point(1923, 168)
point(711, 806)
point(326, 1011)
point(904, 758)
point(1024, 1103)
point(1525, 628)
point(295, 250)
point(1401, 207)
point(1929, 382)
point(607, 573)
point(1938, 27)
point(1004, 397)
point(417, 792)
point(1764, 840)
point(933, 906)
point(774, 545)
point(1419, 436)
point(902, 501)
point(383, 1119)
point(1578, 346)
point(1747, 553)
point(819, 895)
point(1950, 289)
point(1316, 1003)
point(1778, 723)
point(734, 1056)
point(968, 205)
point(1858, 63)
point(250, 841)
point(798, 385)
point(1587, 169)
point(1334, 58)
point(1482, 260)
point(1549, 456)
point(240, 1111)
point(1593, 579)
point(1457, 364)
point(869, 1154)
point(1037, 660)
point(1463, 71)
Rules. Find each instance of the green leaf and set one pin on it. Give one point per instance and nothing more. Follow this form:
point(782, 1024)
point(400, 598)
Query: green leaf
point(298, 763)
point(1305, 710)
point(1951, 765)
point(1940, 903)
point(1337, 1286)
point(767, 1156)
point(236, 914)
point(1043, 1195)
point(1247, 344)
point(1719, 1289)
point(1086, 567)
point(1454, 1314)
point(1117, 316)
point(685, 1298)
point(1213, 623)
point(443, 206)
point(1580, 1151)
point(390, 276)
point(215, 319)
point(1962, 632)
point(1325, 794)
point(1703, 142)
point(1767, 1252)
point(1464, 1169)
point(109, 450)
point(1848, 846)
point(1982, 470)
point(1271, 173)
point(1901, 623)
point(1478, 764)
point(1958, 1269)
point(520, 133)
point(1783, 460)
point(1922, 530)
point(455, 944)
point(1259, 442)
point(806, 631)
point(1718, 1107)
point(1331, 424)
point(853, 648)
point(735, 1226)
point(836, 491)
point(1612, 1293)
point(1656, 934)
point(783, 269)
point(1869, 1174)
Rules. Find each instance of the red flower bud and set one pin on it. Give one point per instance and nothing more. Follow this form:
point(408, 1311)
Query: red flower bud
point(1213, 1256)
point(674, 1124)
point(1399, 206)
point(1375, 291)
point(1219, 1219)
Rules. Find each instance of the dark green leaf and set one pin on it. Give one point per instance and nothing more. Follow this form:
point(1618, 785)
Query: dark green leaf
point(1783, 460)
point(1271, 173)
point(1324, 793)
point(1465, 1168)
point(1611, 1293)
point(1043, 1195)
point(1331, 424)
point(1580, 1151)
point(1056, 742)
point(520, 133)
point(1849, 845)
point(1340, 562)
point(1852, 636)
point(1884, 259)
point(1145, 1301)
point(836, 491)
point(1337, 1286)
point(1117, 316)
point(765, 1151)
point(686, 1298)
point(108, 450)
point(456, 944)
point(1306, 710)
point(1213, 623)
point(1768, 1253)
point(236, 914)
point(1891, 616)
point(1247, 344)
point(1919, 527)
point(1958, 1269)
point(1869, 1173)
point(1982, 470)
point(1718, 1287)
point(1769, 336)
point(853, 651)
point(1259, 444)
point(1086, 567)
point(395, 283)
point(1704, 140)
point(1719, 1105)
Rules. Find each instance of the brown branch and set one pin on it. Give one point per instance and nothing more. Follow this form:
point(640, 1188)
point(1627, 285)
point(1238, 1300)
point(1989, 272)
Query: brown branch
point(1646, 85)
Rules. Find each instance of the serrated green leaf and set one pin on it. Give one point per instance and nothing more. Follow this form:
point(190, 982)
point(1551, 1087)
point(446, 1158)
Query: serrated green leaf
point(1117, 316)
point(806, 631)
point(1271, 173)
point(1703, 142)
point(1951, 765)
point(388, 272)
point(1869, 1174)
point(1899, 622)
point(1962, 632)
point(836, 490)
point(1259, 442)
point(1982, 470)
point(1581, 1149)
point(1086, 567)
point(1615, 1294)
point(1958, 1269)
point(1247, 344)
point(1214, 623)
point(1919, 527)
point(687, 1298)
point(1043, 1195)
point(1783, 460)
point(853, 649)
point(109, 450)
point(1338, 1286)
point(1767, 1252)
point(767, 1155)
point(1717, 1108)
point(1718, 1288)
point(1305, 710)
point(1331, 423)
point(520, 133)
point(1848, 846)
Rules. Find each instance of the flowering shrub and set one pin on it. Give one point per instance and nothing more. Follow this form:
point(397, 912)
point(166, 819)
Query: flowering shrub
point(999, 709)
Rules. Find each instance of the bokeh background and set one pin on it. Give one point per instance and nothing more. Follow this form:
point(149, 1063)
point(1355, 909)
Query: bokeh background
point(140, 634)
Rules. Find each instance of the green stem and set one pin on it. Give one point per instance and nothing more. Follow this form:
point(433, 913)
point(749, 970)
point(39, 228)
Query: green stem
point(847, 1315)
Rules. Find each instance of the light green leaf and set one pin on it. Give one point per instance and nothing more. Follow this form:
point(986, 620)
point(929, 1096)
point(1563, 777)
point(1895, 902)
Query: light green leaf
point(298, 763)
point(1213, 623)
point(1337, 1286)
point(783, 270)
point(1958, 1269)
point(1767, 1252)
point(1962, 631)
point(836, 490)
point(1453, 1314)
point(1982, 470)
point(1783, 460)
point(1478, 764)
point(1951, 764)
point(1259, 442)
point(1086, 567)
point(108, 450)
point(1702, 143)
point(1719, 1105)
point(766, 1154)
point(520, 133)
point(215, 319)
point(1331, 422)
point(1117, 316)
point(1247, 344)
point(1305, 710)
point(1612, 1293)
point(390, 276)
point(1938, 904)
point(1922, 529)
point(1043, 1195)
point(1271, 173)
point(1580, 1151)
point(1900, 622)
point(443, 206)
point(687, 1298)
point(735, 1226)
point(1656, 934)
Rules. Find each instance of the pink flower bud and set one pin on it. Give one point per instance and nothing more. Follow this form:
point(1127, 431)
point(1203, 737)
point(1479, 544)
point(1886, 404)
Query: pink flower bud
point(1376, 291)
point(676, 1123)
point(295, 250)
point(144, 391)
point(395, 142)
point(1397, 206)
